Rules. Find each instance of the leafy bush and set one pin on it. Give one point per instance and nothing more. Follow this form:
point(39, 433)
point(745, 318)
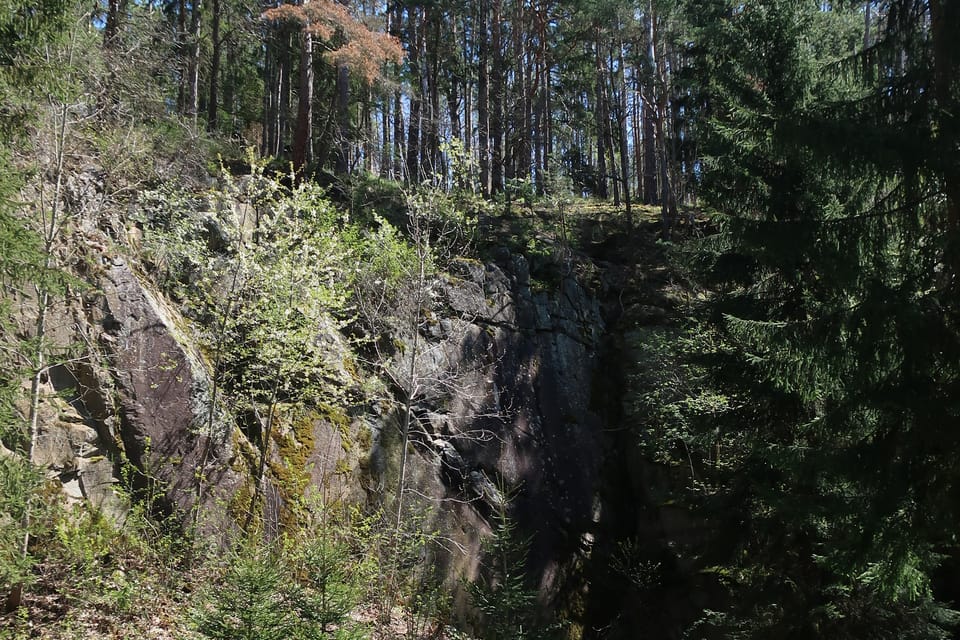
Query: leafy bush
point(439, 220)
point(296, 285)
point(265, 272)
point(388, 264)
point(372, 198)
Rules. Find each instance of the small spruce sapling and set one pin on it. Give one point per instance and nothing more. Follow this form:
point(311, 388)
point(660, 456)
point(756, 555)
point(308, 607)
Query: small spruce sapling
point(502, 594)
point(250, 601)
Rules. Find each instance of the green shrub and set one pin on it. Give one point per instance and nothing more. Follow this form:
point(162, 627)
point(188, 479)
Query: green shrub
point(19, 482)
point(248, 601)
point(262, 289)
point(439, 220)
point(387, 262)
point(302, 590)
point(372, 197)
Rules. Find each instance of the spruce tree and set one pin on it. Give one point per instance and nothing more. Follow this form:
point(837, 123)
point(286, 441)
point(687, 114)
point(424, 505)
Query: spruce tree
point(23, 26)
point(835, 277)
point(502, 594)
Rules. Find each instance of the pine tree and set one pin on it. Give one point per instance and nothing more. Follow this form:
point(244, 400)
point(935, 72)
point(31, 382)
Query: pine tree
point(250, 601)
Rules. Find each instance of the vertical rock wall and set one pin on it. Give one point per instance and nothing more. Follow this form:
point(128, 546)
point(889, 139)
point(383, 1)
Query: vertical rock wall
point(150, 393)
point(506, 407)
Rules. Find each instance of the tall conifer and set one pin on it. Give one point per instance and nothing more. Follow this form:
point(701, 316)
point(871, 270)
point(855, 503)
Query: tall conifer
point(836, 304)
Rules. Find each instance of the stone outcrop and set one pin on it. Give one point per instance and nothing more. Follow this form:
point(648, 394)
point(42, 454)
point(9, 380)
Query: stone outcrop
point(506, 373)
point(70, 449)
point(521, 405)
point(516, 410)
point(149, 393)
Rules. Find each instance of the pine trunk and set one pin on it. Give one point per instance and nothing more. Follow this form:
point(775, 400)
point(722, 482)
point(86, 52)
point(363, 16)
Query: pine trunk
point(193, 68)
point(600, 114)
point(342, 163)
point(622, 134)
point(304, 125)
point(115, 11)
point(483, 99)
point(649, 121)
point(212, 97)
point(414, 125)
point(496, 98)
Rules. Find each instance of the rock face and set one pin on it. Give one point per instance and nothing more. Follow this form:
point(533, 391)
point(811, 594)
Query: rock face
point(69, 448)
point(507, 375)
point(516, 408)
point(143, 396)
point(522, 385)
point(150, 395)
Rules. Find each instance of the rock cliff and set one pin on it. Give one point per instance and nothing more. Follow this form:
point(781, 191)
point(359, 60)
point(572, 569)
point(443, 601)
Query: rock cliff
point(519, 386)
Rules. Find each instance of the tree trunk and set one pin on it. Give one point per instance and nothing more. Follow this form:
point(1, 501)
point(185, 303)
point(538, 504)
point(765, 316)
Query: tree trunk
point(600, 113)
point(649, 120)
point(607, 102)
point(496, 98)
point(212, 96)
point(622, 133)
point(636, 127)
point(304, 125)
point(342, 164)
point(548, 111)
point(369, 132)
point(283, 93)
point(181, 48)
point(269, 90)
point(668, 200)
point(525, 151)
point(467, 87)
point(398, 138)
point(483, 99)
point(399, 164)
point(455, 83)
point(193, 68)
point(538, 122)
point(414, 173)
point(539, 101)
point(453, 110)
point(414, 125)
point(517, 166)
point(115, 12)
point(867, 17)
point(431, 83)
point(229, 91)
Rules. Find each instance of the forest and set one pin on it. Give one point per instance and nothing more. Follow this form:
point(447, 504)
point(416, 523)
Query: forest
point(479, 320)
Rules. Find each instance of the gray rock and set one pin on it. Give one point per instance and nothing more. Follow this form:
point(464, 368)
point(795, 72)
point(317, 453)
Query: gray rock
point(152, 392)
point(505, 395)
